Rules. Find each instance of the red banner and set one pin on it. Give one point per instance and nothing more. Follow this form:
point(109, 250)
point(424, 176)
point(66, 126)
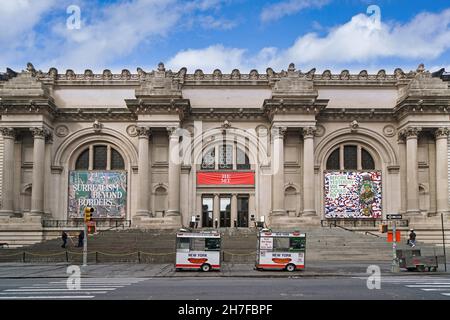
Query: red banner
point(226, 178)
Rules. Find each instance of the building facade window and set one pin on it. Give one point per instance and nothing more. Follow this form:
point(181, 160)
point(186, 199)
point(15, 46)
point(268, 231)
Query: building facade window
point(350, 157)
point(225, 158)
point(103, 157)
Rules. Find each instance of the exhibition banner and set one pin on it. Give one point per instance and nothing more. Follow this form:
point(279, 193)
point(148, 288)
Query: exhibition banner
point(225, 178)
point(353, 194)
point(105, 191)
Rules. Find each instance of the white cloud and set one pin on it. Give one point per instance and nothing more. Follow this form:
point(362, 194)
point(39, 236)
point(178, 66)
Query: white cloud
point(208, 59)
point(210, 22)
point(280, 9)
point(358, 43)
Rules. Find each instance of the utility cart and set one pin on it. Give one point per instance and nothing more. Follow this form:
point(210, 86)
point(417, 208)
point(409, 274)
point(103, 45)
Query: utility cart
point(412, 260)
point(198, 250)
point(280, 250)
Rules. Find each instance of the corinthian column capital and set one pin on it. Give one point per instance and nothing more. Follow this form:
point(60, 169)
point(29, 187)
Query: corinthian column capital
point(412, 132)
point(143, 132)
point(441, 133)
point(308, 132)
point(38, 132)
point(8, 132)
point(278, 132)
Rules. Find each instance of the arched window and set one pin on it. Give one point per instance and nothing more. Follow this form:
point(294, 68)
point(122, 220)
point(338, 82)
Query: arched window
point(104, 157)
point(350, 157)
point(225, 158)
point(209, 160)
point(242, 161)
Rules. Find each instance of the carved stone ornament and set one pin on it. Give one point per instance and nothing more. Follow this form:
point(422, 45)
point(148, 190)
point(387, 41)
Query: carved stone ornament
point(8, 132)
point(441, 133)
point(61, 131)
point(132, 130)
point(38, 132)
point(320, 130)
point(354, 125)
point(278, 132)
point(412, 132)
point(143, 132)
point(389, 131)
point(97, 126)
point(308, 132)
point(172, 130)
point(226, 125)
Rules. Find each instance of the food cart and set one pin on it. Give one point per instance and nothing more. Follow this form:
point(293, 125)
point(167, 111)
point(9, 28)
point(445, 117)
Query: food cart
point(281, 250)
point(412, 260)
point(198, 250)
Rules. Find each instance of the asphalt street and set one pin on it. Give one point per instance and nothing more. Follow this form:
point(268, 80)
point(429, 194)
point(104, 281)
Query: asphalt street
point(232, 288)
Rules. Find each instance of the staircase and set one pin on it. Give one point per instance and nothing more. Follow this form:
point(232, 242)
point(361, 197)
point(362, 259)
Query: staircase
point(238, 246)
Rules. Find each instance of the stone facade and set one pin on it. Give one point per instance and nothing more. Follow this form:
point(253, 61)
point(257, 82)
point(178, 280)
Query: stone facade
point(281, 128)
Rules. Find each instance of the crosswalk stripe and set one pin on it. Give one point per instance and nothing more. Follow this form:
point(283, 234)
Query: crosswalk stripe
point(40, 290)
point(68, 291)
point(427, 286)
point(47, 297)
point(435, 289)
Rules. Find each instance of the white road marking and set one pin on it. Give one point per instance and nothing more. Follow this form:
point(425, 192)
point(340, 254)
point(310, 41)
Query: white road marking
point(47, 297)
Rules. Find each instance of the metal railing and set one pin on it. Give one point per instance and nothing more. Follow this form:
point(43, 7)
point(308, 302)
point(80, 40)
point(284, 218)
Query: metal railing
point(78, 223)
point(355, 223)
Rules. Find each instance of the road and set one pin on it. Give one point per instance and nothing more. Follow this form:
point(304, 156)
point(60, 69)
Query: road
point(231, 288)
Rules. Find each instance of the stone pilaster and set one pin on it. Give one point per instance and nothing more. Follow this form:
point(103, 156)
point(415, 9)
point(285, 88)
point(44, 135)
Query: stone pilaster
point(441, 135)
point(234, 209)
point(143, 167)
point(174, 172)
point(412, 174)
point(216, 210)
point(278, 171)
point(9, 135)
point(308, 171)
point(402, 162)
point(38, 182)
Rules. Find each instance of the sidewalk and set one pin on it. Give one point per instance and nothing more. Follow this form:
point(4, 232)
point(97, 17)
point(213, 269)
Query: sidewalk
point(313, 269)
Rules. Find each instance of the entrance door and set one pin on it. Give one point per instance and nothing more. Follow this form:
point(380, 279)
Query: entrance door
point(242, 211)
point(225, 212)
point(207, 212)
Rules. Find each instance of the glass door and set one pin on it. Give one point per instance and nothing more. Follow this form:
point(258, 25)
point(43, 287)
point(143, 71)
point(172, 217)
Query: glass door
point(207, 212)
point(225, 212)
point(242, 204)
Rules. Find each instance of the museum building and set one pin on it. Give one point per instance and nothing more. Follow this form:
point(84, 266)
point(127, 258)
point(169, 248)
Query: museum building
point(158, 149)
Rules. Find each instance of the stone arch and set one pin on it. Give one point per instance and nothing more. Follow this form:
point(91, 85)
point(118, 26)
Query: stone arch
point(378, 146)
point(160, 200)
point(73, 145)
point(25, 197)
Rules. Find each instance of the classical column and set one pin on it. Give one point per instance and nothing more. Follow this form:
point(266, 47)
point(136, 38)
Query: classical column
point(37, 191)
point(8, 172)
point(174, 172)
point(308, 171)
point(216, 210)
point(442, 170)
point(143, 170)
point(278, 171)
point(402, 161)
point(234, 209)
point(412, 174)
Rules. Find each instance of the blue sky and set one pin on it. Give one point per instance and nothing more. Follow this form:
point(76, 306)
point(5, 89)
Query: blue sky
point(226, 34)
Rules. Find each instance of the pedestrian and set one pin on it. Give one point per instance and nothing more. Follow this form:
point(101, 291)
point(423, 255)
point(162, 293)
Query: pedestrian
point(64, 239)
point(412, 238)
point(81, 239)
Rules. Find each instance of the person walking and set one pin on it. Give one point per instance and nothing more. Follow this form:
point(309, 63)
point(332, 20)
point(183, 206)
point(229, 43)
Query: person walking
point(64, 239)
point(412, 238)
point(81, 239)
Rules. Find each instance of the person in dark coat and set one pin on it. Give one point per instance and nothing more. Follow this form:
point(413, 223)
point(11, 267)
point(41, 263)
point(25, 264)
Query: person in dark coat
point(81, 239)
point(64, 239)
point(412, 238)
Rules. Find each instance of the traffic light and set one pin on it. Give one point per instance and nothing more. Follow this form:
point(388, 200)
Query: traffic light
point(88, 211)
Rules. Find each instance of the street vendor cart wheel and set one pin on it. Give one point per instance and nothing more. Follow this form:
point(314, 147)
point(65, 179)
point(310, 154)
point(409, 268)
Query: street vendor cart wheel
point(290, 267)
point(205, 267)
point(420, 268)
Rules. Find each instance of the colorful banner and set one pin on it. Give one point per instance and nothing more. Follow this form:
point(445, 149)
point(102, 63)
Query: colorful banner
point(353, 194)
point(105, 191)
point(225, 178)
